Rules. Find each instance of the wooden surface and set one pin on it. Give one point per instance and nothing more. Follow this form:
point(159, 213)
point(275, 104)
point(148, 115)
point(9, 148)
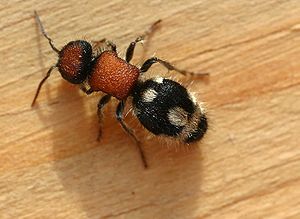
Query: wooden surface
point(248, 165)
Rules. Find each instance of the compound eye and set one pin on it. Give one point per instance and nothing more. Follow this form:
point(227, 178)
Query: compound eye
point(74, 61)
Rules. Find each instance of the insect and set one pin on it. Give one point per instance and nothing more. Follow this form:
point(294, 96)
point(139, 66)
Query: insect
point(163, 106)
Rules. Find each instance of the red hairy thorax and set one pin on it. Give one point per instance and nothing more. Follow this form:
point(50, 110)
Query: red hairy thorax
point(113, 75)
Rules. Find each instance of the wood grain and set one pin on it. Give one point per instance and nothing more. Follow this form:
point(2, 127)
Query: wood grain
point(247, 166)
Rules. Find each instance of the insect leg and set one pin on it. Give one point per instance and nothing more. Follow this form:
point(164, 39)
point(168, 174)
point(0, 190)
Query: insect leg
point(102, 102)
point(148, 63)
point(119, 115)
point(148, 33)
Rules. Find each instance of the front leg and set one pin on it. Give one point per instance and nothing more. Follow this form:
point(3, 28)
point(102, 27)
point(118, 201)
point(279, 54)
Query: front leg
point(99, 44)
point(85, 90)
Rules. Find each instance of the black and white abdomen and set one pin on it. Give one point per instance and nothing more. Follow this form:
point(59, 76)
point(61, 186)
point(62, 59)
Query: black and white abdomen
point(165, 107)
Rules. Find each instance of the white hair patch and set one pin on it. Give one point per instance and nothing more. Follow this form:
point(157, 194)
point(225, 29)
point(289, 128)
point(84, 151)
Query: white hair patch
point(178, 116)
point(149, 95)
point(158, 80)
point(193, 98)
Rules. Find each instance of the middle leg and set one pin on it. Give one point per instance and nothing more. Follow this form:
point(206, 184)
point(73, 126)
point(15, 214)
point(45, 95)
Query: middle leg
point(148, 33)
point(102, 102)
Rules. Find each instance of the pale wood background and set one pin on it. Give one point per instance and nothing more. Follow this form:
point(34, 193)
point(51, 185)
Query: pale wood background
point(248, 165)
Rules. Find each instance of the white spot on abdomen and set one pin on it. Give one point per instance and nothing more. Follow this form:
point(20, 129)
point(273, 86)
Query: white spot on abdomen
point(178, 116)
point(149, 95)
point(158, 80)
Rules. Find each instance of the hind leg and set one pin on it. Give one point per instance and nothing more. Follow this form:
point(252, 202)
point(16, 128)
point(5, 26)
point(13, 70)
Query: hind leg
point(148, 63)
point(119, 115)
